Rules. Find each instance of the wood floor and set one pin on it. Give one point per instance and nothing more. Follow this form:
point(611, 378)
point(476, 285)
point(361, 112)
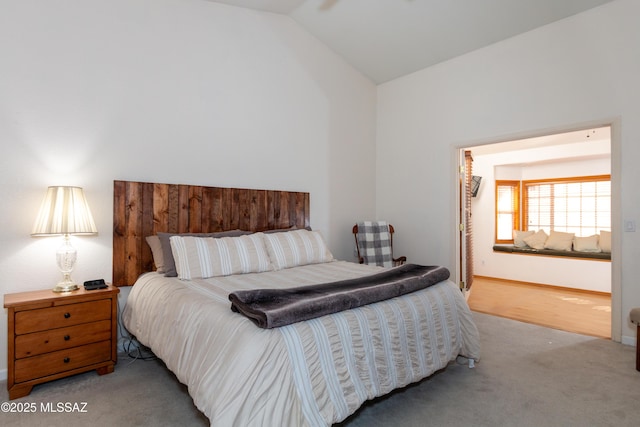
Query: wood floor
point(585, 313)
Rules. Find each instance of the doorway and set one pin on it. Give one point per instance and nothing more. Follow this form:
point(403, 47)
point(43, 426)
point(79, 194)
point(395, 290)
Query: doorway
point(587, 150)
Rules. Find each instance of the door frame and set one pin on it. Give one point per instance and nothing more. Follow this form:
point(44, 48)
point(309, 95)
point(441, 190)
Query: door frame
point(616, 207)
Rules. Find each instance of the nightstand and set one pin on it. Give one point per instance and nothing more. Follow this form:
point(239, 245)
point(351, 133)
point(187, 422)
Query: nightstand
point(54, 335)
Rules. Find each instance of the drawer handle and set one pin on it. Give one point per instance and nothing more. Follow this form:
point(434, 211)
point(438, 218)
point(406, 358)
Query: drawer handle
point(66, 360)
point(67, 315)
point(67, 337)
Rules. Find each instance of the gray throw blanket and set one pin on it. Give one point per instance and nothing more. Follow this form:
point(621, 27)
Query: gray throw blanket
point(272, 308)
point(374, 242)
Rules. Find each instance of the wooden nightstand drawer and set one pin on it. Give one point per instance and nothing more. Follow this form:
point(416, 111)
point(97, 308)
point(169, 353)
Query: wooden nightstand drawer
point(28, 345)
point(61, 316)
point(60, 361)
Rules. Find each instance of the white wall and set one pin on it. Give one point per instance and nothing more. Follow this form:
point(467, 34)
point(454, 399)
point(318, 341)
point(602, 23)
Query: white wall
point(577, 71)
point(178, 91)
point(550, 162)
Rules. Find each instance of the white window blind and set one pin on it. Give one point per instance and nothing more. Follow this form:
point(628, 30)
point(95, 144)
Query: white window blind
point(577, 205)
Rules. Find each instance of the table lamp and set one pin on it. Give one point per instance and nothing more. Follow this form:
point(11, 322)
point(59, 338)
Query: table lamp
point(64, 211)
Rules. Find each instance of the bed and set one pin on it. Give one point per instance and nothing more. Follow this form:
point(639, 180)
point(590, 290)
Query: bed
point(314, 372)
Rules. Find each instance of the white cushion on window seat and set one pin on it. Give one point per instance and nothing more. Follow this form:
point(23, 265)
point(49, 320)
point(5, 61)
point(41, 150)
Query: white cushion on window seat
point(586, 244)
point(537, 239)
point(605, 241)
point(559, 241)
point(518, 238)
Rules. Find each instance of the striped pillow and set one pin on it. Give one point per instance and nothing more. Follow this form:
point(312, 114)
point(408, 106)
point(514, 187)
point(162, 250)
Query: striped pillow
point(203, 257)
point(294, 248)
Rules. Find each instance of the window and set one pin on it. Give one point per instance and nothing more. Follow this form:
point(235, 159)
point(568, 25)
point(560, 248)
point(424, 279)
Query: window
point(579, 205)
point(576, 205)
point(507, 210)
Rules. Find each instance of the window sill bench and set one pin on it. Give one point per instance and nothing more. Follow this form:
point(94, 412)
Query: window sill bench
point(599, 256)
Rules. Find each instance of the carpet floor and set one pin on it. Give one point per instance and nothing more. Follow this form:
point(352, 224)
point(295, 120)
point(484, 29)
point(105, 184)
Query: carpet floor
point(528, 376)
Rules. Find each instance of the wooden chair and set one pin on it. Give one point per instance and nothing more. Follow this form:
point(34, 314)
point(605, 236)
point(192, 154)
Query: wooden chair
point(374, 244)
point(635, 318)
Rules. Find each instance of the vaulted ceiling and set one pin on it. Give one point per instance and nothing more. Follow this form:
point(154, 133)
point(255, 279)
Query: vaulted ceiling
point(386, 39)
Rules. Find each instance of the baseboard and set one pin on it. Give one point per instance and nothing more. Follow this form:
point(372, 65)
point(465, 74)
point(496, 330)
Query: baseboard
point(3, 374)
point(543, 285)
point(626, 340)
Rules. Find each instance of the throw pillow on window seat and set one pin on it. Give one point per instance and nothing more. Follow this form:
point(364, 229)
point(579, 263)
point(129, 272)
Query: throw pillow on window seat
point(537, 239)
point(586, 244)
point(519, 236)
point(605, 241)
point(559, 241)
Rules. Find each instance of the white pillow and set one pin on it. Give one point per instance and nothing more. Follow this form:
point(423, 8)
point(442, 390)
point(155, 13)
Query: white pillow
point(518, 238)
point(203, 257)
point(605, 241)
point(559, 241)
point(586, 244)
point(536, 240)
point(294, 248)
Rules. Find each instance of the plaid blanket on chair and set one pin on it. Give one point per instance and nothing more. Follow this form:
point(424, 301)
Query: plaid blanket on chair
point(374, 243)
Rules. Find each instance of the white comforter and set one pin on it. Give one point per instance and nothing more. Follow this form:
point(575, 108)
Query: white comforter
point(311, 373)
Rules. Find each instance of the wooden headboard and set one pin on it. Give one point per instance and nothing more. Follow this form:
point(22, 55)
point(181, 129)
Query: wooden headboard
point(142, 209)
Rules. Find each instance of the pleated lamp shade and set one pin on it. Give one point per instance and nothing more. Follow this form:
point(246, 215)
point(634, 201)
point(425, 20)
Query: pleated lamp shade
point(64, 211)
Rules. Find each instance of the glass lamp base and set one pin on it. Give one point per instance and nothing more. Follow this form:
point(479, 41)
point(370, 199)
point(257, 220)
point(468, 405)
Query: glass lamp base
point(66, 285)
point(66, 259)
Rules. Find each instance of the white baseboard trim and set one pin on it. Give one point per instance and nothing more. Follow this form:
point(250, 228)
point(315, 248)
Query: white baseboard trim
point(3, 374)
point(629, 340)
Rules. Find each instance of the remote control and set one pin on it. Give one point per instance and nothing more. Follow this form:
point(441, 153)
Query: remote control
point(91, 285)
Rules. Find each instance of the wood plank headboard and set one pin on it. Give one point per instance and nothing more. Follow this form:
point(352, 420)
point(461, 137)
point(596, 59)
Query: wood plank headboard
point(142, 209)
